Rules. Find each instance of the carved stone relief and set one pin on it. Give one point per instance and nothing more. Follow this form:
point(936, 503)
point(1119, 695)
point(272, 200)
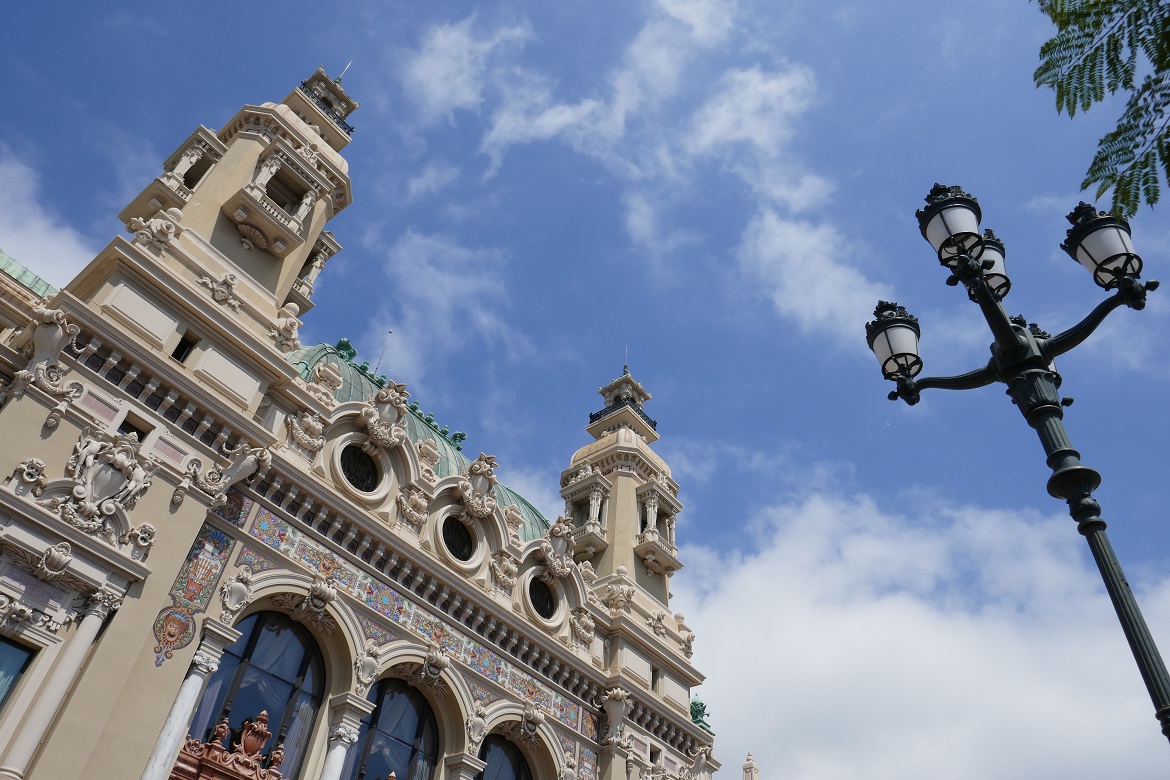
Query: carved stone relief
point(557, 549)
point(527, 728)
point(311, 608)
point(384, 419)
point(327, 380)
point(365, 669)
point(106, 477)
point(286, 327)
point(222, 290)
point(51, 333)
point(504, 569)
point(616, 703)
point(245, 461)
point(476, 728)
point(584, 628)
point(235, 594)
point(306, 430)
point(428, 454)
point(412, 506)
point(160, 231)
point(476, 487)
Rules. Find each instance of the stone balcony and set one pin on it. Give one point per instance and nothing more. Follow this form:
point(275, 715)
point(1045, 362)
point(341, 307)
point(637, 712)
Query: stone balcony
point(657, 553)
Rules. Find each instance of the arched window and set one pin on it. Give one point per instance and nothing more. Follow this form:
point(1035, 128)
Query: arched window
point(275, 666)
point(399, 736)
point(504, 760)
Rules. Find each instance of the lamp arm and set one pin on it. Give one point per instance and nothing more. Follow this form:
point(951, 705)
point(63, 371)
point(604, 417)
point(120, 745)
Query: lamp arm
point(1130, 292)
point(909, 387)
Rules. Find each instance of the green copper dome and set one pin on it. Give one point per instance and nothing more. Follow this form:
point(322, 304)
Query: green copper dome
point(27, 278)
point(359, 383)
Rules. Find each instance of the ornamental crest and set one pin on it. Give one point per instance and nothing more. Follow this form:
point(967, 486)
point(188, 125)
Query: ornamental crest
point(384, 419)
point(306, 430)
point(557, 549)
point(477, 486)
point(107, 477)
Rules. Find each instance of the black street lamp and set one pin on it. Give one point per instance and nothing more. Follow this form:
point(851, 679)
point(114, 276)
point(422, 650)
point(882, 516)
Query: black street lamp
point(1022, 357)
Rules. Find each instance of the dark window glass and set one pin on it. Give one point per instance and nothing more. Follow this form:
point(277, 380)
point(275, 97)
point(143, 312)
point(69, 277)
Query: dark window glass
point(184, 347)
point(14, 660)
point(400, 736)
point(504, 760)
point(543, 599)
point(360, 469)
point(458, 539)
point(274, 667)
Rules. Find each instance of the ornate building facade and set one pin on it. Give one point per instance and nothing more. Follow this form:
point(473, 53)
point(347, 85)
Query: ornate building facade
point(225, 554)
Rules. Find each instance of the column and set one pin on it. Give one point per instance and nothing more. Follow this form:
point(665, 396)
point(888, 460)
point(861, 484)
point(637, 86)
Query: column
point(40, 715)
point(595, 509)
point(216, 636)
point(346, 711)
point(307, 201)
point(191, 156)
point(463, 766)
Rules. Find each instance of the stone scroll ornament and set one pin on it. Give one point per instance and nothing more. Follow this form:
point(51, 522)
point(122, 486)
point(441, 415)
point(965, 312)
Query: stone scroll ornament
point(51, 333)
point(103, 477)
point(159, 231)
point(412, 506)
point(287, 326)
point(383, 418)
point(245, 461)
point(476, 487)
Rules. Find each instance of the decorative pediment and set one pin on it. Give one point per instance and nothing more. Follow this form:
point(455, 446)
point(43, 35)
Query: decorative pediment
point(477, 485)
point(104, 477)
point(383, 418)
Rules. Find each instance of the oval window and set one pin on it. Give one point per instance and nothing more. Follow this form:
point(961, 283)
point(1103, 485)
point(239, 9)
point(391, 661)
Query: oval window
point(544, 601)
point(458, 539)
point(359, 469)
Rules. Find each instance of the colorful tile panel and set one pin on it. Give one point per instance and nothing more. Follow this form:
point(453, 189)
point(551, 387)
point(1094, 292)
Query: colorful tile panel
point(375, 631)
point(383, 599)
point(254, 560)
point(587, 766)
point(567, 745)
point(483, 694)
point(174, 628)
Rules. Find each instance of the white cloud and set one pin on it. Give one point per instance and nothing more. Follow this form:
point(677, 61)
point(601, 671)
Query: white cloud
point(801, 267)
point(752, 107)
point(450, 70)
point(710, 21)
point(951, 642)
point(436, 176)
point(32, 233)
point(446, 298)
point(527, 113)
point(644, 227)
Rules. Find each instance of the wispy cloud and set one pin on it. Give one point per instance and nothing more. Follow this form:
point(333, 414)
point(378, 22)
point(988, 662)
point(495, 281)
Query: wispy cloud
point(32, 232)
point(449, 71)
point(447, 297)
point(435, 177)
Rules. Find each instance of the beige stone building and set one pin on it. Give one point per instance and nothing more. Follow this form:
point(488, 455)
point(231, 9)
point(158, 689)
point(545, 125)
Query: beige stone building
point(226, 554)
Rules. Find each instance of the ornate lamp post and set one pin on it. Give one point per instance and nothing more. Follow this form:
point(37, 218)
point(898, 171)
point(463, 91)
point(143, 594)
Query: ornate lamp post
point(1022, 357)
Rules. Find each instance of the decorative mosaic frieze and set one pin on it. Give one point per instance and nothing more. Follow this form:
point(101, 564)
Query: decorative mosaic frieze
point(375, 632)
point(174, 628)
point(254, 560)
point(567, 745)
point(482, 694)
point(383, 599)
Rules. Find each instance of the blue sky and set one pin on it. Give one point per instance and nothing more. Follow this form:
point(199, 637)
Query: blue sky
point(725, 188)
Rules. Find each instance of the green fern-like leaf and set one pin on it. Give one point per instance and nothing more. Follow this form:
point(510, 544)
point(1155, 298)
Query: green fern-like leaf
point(1095, 52)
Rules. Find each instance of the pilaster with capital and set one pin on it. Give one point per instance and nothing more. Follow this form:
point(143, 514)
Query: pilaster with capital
point(346, 711)
point(462, 766)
